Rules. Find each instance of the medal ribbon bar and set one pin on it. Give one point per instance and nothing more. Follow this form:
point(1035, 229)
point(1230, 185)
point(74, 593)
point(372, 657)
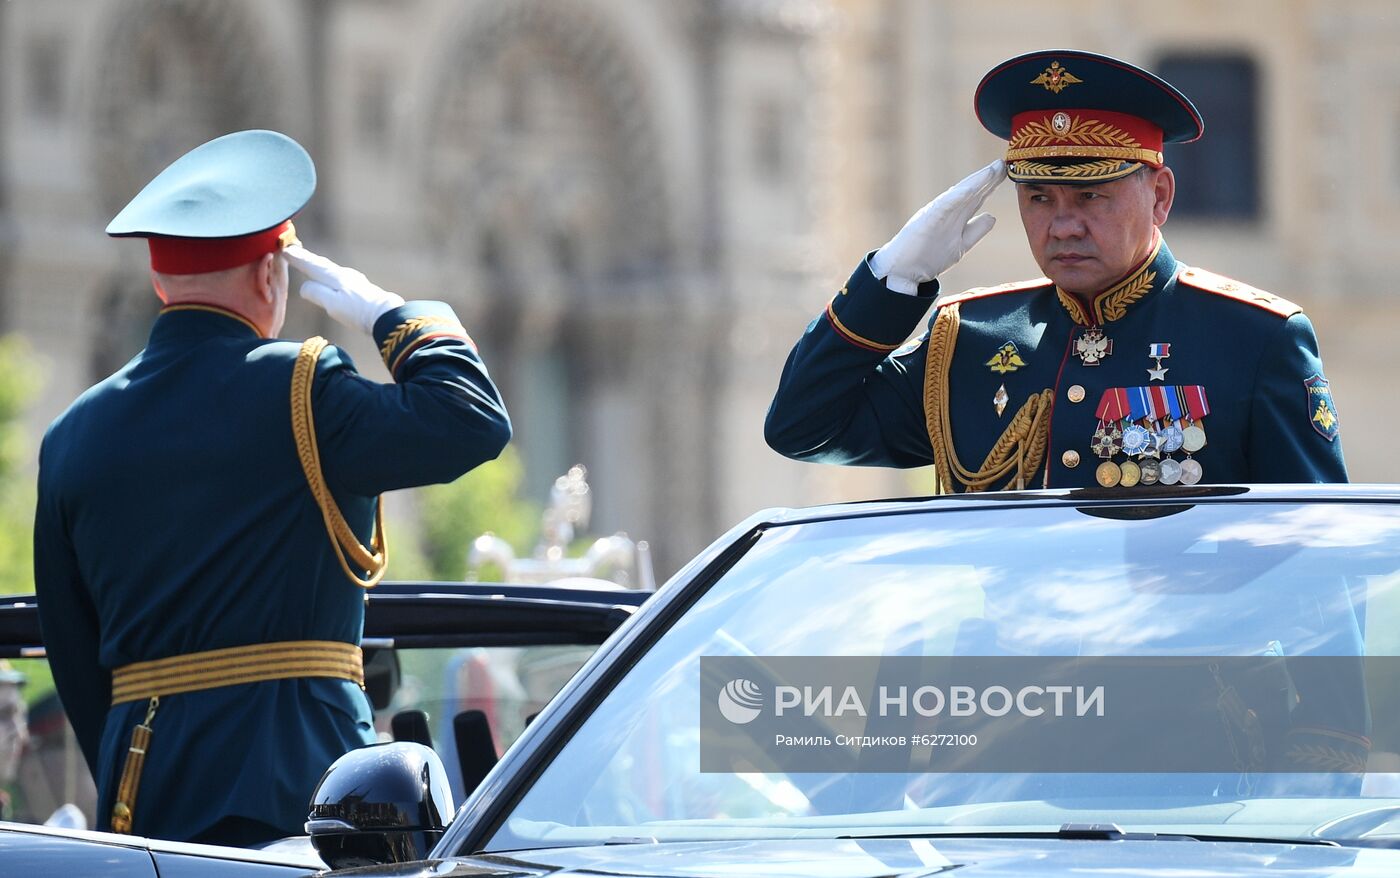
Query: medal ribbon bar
point(1196, 402)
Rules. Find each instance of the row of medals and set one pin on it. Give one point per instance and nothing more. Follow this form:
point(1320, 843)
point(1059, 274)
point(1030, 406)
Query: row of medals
point(1148, 442)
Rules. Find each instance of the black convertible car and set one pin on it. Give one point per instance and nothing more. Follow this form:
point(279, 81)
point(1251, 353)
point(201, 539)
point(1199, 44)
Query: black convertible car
point(462, 667)
point(1149, 682)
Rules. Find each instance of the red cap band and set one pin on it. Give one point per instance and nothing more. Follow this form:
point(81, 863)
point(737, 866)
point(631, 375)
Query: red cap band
point(1087, 134)
point(170, 255)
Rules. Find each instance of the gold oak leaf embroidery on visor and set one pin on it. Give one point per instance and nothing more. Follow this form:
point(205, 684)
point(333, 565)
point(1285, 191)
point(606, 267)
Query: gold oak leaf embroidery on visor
point(1063, 137)
point(1078, 170)
point(1081, 132)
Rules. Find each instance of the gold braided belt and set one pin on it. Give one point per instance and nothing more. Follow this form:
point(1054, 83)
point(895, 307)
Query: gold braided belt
point(197, 671)
point(1017, 453)
point(237, 664)
point(372, 560)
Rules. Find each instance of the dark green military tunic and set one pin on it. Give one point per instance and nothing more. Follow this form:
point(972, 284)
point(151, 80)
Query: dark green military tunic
point(850, 394)
point(174, 517)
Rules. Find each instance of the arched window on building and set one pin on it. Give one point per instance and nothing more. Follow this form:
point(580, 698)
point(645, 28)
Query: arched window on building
point(1218, 176)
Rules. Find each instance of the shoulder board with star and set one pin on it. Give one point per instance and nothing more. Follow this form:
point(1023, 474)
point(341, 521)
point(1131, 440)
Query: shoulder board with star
point(1210, 282)
point(1019, 286)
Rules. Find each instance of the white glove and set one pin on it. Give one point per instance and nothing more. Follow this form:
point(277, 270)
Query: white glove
point(940, 234)
point(344, 293)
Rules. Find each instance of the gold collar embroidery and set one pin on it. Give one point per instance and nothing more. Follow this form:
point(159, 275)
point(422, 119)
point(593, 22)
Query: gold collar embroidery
point(1112, 303)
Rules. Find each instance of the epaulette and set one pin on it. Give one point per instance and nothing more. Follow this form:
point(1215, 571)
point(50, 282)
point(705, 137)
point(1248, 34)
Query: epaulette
point(1211, 282)
point(980, 292)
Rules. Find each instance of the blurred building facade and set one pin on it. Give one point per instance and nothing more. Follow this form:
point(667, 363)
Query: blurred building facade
point(637, 206)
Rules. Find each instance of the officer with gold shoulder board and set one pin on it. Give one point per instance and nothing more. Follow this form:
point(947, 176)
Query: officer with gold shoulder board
point(208, 516)
point(1121, 367)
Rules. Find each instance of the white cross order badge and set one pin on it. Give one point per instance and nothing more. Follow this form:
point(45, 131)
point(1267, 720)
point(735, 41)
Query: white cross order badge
point(1093, 346)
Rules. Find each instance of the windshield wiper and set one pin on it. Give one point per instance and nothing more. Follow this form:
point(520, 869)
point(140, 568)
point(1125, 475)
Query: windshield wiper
point(1101, 832)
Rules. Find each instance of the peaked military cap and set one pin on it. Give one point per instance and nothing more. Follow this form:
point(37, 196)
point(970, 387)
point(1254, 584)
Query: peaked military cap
point(222, 204)
point(1079, 117)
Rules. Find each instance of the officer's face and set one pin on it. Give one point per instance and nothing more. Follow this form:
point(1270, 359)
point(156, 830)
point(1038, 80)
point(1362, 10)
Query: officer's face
point(1085, 238)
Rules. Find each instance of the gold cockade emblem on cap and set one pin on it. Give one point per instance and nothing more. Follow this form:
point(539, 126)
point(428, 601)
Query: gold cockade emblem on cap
point(1055, 78)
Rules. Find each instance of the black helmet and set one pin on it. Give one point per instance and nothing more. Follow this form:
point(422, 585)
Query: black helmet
point(385, 803)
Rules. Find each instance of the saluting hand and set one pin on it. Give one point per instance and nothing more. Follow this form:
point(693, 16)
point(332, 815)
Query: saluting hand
point(344, 293)
point(940, 234)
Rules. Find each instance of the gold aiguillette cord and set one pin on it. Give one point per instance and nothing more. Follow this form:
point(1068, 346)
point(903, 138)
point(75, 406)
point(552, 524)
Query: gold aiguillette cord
point(1017, 453)
point(372, 560)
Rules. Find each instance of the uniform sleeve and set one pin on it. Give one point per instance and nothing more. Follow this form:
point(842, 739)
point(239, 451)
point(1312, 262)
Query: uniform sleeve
point(846, 395)
point(68, 620)
point(1294, 429)
point(441, 417)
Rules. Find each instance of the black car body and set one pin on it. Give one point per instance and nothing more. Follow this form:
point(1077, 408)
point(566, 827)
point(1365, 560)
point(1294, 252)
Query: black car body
point(1261, 539)
point(406, 623)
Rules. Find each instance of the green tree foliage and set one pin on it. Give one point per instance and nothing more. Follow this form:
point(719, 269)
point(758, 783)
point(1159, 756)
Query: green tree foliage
point(485, 499)
point(19, 382)
point(19, 379)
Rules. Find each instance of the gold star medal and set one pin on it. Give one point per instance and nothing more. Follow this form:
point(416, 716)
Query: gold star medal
point(1158, 351)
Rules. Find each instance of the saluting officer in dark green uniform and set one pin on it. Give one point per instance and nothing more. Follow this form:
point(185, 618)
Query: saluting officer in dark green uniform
point(1120, 367)
point(208, 516)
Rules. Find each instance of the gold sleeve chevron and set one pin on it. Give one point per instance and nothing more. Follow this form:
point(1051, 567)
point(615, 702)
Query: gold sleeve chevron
point(408, 334)
point(1017, 453)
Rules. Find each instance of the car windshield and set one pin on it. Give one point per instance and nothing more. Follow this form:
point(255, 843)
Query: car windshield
point(1266, 582)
